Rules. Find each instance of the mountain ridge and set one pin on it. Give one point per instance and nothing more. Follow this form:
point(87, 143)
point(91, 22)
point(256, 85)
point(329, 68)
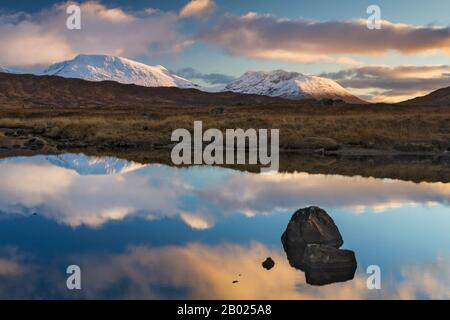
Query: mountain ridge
point(56, 92)
point(122, 70)
point(291, 85)
point(440, 97)
point(277, 83)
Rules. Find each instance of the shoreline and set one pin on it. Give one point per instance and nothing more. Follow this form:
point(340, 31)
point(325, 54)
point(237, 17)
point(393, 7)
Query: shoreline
point(18, 142)
point(415, 167)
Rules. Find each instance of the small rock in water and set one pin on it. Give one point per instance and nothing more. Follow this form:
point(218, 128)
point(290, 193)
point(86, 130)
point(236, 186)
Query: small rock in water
point(268, 263)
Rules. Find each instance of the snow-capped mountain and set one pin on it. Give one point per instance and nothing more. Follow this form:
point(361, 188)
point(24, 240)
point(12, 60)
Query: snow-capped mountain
point(293, 85)
point(278, 83)
point(82, 164)
point(13, 70)
point(85, 165)
point(104, 67)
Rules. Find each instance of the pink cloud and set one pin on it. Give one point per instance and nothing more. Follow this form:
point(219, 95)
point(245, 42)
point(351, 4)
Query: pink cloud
point(267, 37)
point(42, 38)
point(198, 8)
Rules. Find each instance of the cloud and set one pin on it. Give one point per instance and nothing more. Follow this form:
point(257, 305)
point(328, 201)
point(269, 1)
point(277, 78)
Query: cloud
point(265, 194)
point(42, 38)
point(198, 8)
point(208, 272)
point(157, 192)
point(298, 40)
point(393, 83)
point(212, 78)
point(9, 267)
point(431, 280)
point(11, 263)
point(74, 200)
point(200, 271)
point(205, 272)
point(196, 221)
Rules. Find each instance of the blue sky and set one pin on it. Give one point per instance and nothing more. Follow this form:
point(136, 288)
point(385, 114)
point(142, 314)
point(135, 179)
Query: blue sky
point(408, 11)
point(209, 41)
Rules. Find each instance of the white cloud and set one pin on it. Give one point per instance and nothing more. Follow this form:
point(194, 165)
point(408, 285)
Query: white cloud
point(42, 38)
point(431, 280)
point(393, 83)
point(92, 200)
point(260, 194)
point(196, 221)
point(299, 40)
point(156, 192)
point(198, 8)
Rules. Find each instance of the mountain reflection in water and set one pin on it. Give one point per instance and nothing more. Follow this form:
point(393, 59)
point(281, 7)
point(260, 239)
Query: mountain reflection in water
point(154, 231)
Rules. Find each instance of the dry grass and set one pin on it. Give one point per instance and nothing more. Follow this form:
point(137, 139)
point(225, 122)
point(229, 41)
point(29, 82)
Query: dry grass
point(380, 127)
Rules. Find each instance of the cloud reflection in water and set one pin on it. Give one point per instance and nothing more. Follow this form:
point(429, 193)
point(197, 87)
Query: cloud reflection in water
point(196, 271)
point(63, 194)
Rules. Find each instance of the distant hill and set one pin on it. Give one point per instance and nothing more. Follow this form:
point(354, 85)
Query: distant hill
point(437, 98)
point(31, 91)
point(291, 85)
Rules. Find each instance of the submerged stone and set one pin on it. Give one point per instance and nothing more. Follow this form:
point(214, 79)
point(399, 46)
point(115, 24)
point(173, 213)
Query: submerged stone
point(325, 264)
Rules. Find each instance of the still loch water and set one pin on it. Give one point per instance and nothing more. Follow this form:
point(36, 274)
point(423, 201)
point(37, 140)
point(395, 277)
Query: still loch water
point(160, 232)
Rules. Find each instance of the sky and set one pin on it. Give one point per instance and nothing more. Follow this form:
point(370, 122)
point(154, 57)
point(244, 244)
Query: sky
point(215, 41)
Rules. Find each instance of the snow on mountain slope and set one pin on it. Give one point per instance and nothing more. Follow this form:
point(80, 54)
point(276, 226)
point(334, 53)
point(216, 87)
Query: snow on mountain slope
point(11, 70)
point(293, 85)
point(277, 83)
point(214, 89)
point(82, 164)
point(104, 67)
point(85, 165)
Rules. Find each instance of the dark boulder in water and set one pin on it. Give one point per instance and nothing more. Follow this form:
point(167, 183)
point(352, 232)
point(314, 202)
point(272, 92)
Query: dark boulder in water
point(325, 264)
point(311, 225)
point(311, 242)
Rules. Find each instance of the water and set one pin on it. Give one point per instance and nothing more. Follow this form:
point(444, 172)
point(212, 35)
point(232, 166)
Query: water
point(160, 232)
